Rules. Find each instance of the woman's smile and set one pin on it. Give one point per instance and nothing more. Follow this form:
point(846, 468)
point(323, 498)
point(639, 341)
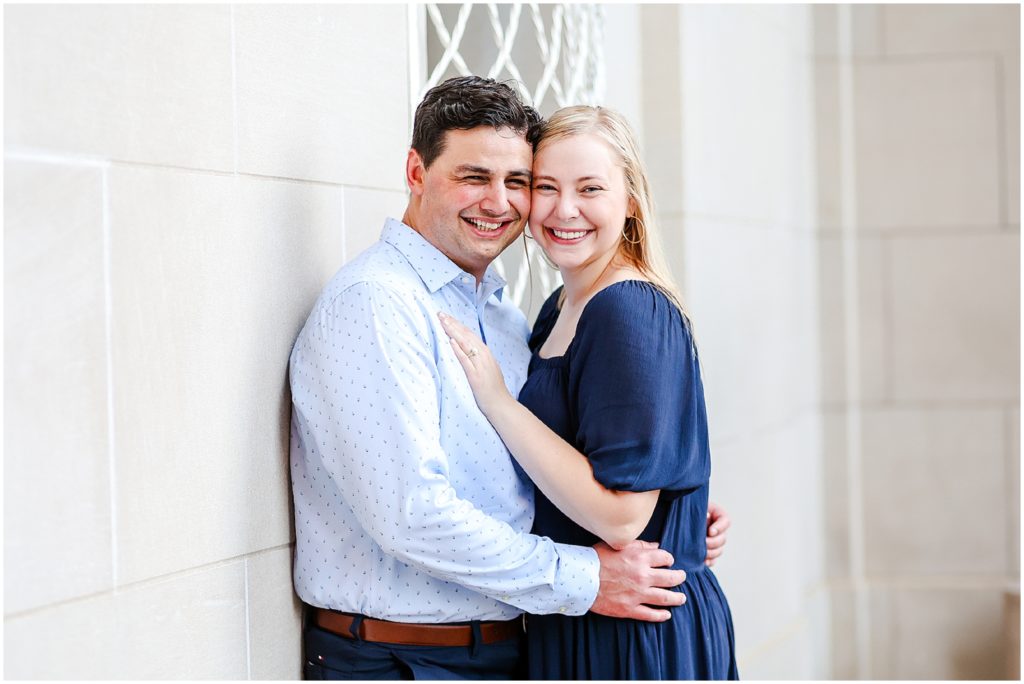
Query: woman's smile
point(567, 236)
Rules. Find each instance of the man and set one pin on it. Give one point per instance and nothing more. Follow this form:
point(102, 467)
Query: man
point(412, 527)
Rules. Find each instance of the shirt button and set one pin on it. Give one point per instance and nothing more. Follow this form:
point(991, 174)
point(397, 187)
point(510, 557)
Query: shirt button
point(562, 609)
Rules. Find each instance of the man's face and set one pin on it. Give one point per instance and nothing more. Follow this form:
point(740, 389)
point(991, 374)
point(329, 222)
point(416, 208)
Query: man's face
point(475, 198)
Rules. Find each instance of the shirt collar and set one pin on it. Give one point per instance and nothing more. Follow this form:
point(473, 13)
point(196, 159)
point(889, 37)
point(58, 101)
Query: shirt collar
point(433, 267)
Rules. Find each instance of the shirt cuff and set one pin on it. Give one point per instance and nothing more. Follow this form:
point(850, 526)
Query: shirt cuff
point(578, 578)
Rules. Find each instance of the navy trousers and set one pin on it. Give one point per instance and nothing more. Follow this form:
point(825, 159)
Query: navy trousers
point(329, 656)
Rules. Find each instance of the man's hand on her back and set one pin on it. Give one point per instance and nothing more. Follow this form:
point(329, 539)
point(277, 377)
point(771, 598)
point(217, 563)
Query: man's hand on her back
point(718, 523)
point(635, 576)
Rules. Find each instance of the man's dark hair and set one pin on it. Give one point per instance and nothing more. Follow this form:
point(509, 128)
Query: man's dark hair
point(466, 102)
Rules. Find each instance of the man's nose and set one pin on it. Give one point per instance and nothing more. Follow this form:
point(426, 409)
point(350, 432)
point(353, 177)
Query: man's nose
point(495, 200)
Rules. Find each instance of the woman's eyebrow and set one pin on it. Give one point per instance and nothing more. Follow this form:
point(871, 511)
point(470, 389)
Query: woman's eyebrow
point(578, 180)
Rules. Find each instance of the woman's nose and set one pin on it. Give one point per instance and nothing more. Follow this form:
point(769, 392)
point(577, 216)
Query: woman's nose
point(567, 208)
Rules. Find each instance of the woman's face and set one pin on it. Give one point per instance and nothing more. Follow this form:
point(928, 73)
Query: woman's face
point(579, 202)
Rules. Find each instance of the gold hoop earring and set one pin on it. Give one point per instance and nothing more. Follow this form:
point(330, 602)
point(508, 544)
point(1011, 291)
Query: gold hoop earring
point(639, 230)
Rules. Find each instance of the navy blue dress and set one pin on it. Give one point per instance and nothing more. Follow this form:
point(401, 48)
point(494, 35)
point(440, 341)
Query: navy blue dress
point(628, 394)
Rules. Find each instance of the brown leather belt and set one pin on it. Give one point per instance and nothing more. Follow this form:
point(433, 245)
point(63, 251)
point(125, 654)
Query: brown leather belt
point(414, 634)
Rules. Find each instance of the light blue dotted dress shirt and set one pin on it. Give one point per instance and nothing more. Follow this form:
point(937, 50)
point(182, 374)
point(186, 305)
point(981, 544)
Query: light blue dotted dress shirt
point(407, 505)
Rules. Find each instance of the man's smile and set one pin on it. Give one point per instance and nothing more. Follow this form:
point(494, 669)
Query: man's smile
point(488, 227)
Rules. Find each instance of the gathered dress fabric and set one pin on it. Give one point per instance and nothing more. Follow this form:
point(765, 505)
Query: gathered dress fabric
point(628, 394)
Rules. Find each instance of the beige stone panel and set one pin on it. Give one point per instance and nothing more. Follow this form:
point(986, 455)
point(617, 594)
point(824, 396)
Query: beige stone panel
point(955, 303)
point(943, 30)
point(803, 442)
point(775, 17)
point(275, 616)
point(828, 157)
point(866, 39)
point(212, 279)
point(1011, 141)
point(622, 45)
point(57, 529)
point(149, 83)
point(663, 147)
point(739, 166)
point(795, 24)
point(748, 290)
point(291, 247)
point(190, 626)
point(949, 29)
point(832, 298)
point(819, 617)
point(323, 92)
point(672, 233)
point(798, 165)
point(866, 351)
point(843, 633)
point(927, 474)
point(765, 482)
point(787, 656)
point(940, 633)
point(934, 30)
point(836, 487)
point(825, 20)
point(1013, 480)
point(743, 481)
point(365, 213)
point(927, 143)
point(802, 317)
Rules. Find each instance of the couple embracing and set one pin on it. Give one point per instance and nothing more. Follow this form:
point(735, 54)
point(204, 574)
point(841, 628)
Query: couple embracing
point(453, 471)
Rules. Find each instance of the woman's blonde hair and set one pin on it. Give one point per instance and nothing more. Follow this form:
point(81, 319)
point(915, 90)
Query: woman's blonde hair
point(639, 245)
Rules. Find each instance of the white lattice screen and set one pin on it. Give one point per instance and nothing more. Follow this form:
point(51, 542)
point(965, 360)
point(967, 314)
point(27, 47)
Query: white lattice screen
point(552, 53)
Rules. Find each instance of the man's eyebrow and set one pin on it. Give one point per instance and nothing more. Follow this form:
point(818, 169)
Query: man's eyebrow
point(484, 171)
point(472, 168)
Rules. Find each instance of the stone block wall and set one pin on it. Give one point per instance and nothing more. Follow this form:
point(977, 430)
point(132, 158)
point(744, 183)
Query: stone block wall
point(179, 183)
point(919, 249)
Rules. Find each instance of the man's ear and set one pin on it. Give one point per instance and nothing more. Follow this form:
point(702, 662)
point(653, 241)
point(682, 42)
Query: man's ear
point(414, 172)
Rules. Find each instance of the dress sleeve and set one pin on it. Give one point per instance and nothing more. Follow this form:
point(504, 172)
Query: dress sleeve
point(635, 386)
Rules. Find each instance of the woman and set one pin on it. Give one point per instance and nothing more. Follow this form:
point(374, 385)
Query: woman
point(611, 423)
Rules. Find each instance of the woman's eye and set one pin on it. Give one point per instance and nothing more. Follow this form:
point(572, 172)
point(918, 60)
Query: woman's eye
point(589, 190)
point(543, 186)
